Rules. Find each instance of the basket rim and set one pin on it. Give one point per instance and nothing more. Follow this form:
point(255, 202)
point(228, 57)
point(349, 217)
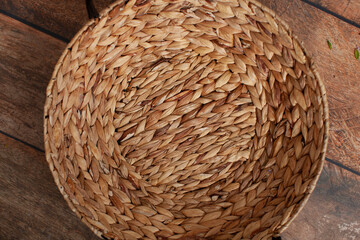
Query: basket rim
point(326, 111)
point(279, 20)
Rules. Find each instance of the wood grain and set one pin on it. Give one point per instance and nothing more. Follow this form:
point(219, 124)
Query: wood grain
point(332, 211)
point(63, 17)
point(349, 9)
point(31, 207)
point(338, 68)
point(27, 61)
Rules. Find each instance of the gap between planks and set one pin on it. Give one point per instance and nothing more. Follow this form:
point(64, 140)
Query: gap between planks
point(32, 25)
point(324, 9)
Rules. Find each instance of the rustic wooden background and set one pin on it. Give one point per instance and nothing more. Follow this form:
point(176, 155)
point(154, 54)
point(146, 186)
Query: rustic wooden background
point(33, 33)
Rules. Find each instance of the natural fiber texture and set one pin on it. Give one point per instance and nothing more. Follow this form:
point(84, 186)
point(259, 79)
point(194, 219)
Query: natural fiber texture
point(170, 119)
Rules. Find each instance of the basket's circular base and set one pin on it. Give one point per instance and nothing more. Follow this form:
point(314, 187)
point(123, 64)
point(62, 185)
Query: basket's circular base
point(190, 118)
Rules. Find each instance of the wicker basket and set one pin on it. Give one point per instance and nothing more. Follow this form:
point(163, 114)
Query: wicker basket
point(176, 119)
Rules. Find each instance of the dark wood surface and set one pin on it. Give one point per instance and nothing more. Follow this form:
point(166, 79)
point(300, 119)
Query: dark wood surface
point(27, 61)
point(348, 9)
point(332, 211)
point(31, 206)
point(62, 17)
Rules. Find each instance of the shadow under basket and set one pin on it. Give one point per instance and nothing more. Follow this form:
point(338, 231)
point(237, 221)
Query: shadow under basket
point(186, 120)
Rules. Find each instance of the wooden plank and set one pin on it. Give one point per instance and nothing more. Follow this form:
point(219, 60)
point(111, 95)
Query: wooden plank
point(27, 61)
point(31, 206)
point(338, 68)
point(332, 211)
point(63, 17)
point(349, 9)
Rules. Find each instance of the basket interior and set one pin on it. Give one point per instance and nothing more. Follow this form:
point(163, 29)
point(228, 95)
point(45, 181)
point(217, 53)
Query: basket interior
point(187, 118)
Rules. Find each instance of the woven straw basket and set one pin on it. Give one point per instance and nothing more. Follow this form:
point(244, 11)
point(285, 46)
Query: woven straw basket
point(186, 119)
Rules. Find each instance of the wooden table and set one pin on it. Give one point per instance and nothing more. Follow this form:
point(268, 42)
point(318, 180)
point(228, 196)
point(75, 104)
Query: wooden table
point(33, 33)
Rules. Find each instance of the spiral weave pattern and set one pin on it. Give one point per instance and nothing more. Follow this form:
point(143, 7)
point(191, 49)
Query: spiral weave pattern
point(175, 119)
